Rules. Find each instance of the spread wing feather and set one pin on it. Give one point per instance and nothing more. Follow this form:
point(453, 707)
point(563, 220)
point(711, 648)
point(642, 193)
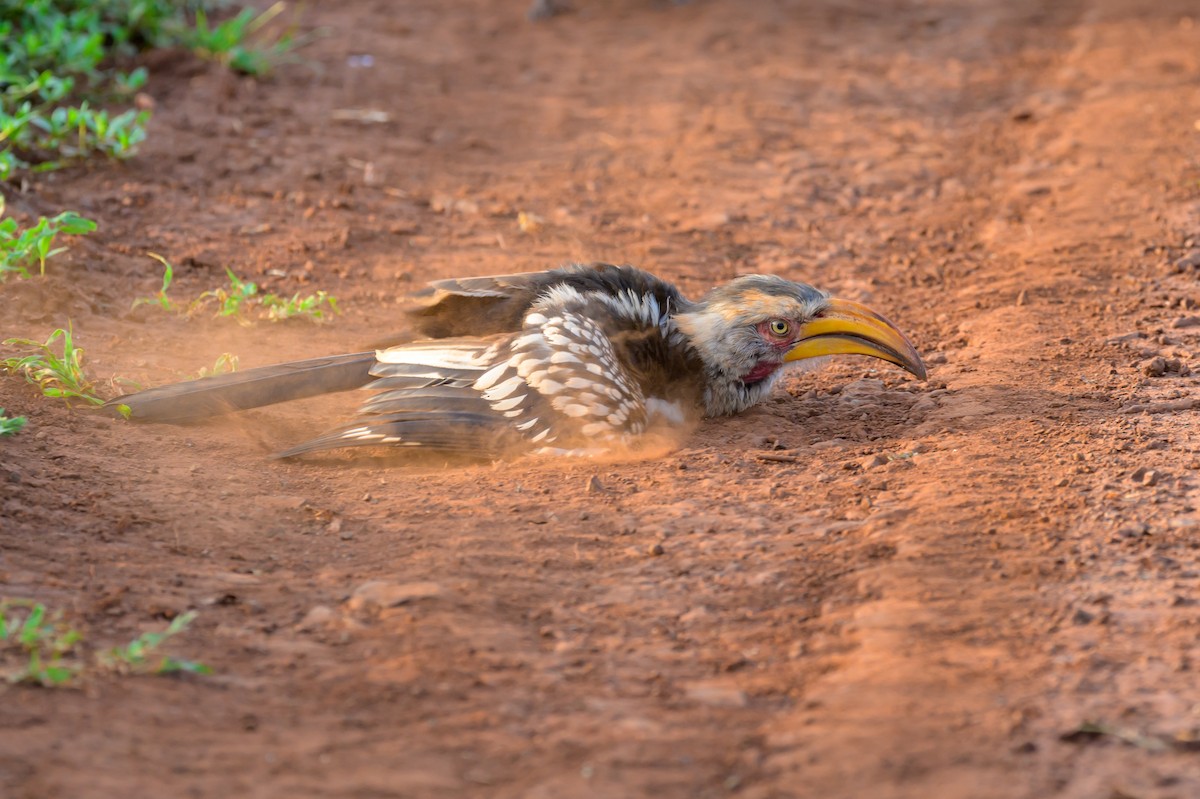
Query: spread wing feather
point(558, 381)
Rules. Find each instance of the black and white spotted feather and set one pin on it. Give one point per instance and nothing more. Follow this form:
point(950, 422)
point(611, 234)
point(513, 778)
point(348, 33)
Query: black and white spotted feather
point(557, 384)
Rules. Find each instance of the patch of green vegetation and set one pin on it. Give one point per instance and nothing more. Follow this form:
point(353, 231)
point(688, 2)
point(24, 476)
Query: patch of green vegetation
point(242, 298)
point(47, 651)
point(11, 425)
point(314, 306)
point(226, 362)
point(160, 299)
point(237, 44)
point(41, 641)
point(59, 376)
point(140, 656)
point(56, 68)
point(21, 250)
point(232, 300)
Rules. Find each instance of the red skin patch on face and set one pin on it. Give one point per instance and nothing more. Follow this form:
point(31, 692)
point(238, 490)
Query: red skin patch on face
point(760, 372)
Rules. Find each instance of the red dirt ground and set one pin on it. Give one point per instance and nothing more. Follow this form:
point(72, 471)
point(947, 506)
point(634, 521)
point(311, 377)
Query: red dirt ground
point(869, 586)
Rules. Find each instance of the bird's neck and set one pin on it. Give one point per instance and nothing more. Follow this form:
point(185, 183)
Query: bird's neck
point(728, 394)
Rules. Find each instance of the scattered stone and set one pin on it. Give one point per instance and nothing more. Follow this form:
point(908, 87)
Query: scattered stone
point(716, 693)
point(704, 222)
point(445, 204)
point(1186, 321)
point(873, 462)
point(379, 594)
point(655, 549)
point(1125, 338)
point(1022, 298)
point(1168, 406)
point(317, 618)
point(1189, 262)
point(1083, 617)
point(1155, 367)
point(594, 486)
point(1150, 478)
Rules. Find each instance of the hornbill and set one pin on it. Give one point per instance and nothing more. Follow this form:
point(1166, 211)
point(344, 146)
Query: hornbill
point(574, 359)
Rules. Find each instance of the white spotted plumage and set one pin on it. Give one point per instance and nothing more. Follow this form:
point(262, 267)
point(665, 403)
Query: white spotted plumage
point(559, 377)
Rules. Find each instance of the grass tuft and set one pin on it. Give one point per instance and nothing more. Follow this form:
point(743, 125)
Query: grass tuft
point(11, 425)
point(237, 42)
point(58, 376)
point(160, 299)
point(226, 362)
point(141, 656)
point(37, 647)
point(22, 250)
point(242, 299)
point(42, 641)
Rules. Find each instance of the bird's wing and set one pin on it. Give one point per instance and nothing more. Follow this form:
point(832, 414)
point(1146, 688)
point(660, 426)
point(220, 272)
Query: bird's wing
point(475, 306)
point(556, 383)
point(481, 306)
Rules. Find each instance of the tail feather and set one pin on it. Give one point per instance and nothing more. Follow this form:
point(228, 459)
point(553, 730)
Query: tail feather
point(251, 388)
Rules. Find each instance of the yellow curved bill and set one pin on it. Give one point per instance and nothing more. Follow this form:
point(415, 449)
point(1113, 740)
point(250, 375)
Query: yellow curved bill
point(850, 328)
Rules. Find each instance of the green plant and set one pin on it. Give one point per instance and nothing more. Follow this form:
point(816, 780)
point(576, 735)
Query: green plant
point(57, 376)
point(243, 295)
point(55, 68)
point(229, 42)
point(230, 301)
point(48, 652)
point(161, 299)
point(21, 249)
point(237, 299)
point(309, 307)
point(52, 65)
point(10, 425)
point(226, 362)
point(42, 642)
point(141, 656)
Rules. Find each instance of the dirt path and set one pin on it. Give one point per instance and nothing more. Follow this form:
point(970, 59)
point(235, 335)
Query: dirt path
point(927, 590)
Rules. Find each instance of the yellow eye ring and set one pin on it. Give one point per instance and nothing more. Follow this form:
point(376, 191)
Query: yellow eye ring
point(779, 327)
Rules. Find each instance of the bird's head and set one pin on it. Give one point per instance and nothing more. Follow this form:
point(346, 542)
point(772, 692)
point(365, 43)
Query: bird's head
point(747, 329)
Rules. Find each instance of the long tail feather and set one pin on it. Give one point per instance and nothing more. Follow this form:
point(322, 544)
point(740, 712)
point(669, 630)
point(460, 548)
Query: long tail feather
point(252, 388)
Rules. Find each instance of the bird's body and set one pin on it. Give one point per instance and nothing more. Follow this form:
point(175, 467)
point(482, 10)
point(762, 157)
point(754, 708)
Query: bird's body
point(580, 358)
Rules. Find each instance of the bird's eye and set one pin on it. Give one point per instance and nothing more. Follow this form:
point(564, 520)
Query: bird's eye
point(779, 327)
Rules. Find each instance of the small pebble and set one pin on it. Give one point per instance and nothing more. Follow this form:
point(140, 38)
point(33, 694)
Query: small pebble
point(316, 618)
point(655, 549)
point(1155, 367)
point(1188, 262)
